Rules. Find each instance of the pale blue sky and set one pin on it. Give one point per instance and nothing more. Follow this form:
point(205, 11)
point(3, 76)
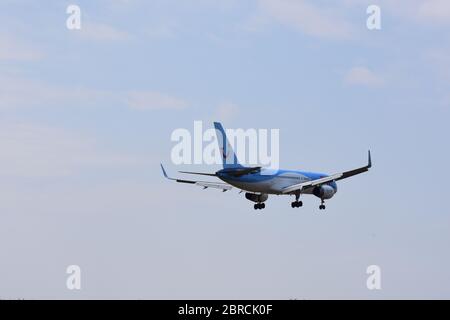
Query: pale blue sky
point(86, 118)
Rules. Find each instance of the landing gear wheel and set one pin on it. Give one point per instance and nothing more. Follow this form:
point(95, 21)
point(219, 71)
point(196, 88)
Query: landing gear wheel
point(322, 205)
point(296, 204)
point(259, 206)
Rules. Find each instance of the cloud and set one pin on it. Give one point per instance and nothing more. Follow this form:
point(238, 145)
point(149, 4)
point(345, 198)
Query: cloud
point(101, 32)
point(152, 100)
point(14, 49)
point(39, 151)
point(425, 12)
point(362, 76)
point(162, 31)
point(307, 18)
point(439, 60)
point(226, 111)
point(17, 92)
point(435, 11)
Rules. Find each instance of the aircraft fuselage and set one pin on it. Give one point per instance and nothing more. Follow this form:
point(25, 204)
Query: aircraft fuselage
point(271, 181)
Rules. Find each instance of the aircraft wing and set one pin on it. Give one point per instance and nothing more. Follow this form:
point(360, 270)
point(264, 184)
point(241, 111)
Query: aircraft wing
point(333, 177)
point(205, 184)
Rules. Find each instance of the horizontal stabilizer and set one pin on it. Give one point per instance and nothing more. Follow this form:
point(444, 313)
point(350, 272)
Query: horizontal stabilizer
point(205, 184)
point(199, 173)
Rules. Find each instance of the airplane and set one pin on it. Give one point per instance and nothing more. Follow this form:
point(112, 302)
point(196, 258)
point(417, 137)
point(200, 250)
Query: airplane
point(259, 182)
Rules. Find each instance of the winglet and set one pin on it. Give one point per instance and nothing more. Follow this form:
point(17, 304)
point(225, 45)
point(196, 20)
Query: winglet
point(369, 165)
point(164, 171)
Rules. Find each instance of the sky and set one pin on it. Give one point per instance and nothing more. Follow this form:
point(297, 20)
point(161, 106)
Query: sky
point(86, 118)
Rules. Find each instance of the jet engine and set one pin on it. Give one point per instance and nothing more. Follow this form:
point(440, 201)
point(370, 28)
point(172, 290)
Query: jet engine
point(256, 197)
point(324, 191)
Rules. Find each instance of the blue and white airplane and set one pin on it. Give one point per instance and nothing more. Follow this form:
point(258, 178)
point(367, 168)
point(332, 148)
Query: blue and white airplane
point(259, 182)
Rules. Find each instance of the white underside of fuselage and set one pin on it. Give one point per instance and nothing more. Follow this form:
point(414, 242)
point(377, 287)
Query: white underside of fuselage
point(273, 184)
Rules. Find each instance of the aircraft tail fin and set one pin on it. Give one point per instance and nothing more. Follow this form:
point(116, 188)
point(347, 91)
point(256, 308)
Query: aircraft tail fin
point(228, 156)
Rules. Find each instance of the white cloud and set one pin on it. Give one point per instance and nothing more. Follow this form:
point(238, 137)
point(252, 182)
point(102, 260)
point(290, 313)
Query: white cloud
point(426, 12)
point(439, 60)
point(435, 11)
point(308, 18)
point(362, 76)
point(162, 31)
point(13, 49)
point(17, 92)
point(101, 32)
point(152, 100)
point(226, 111)
point(39, 151)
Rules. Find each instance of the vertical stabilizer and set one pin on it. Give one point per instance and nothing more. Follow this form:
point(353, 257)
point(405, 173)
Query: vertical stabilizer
point(228, 156)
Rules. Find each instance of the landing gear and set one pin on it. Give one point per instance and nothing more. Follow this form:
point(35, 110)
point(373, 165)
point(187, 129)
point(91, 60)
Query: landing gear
point(296, 203)
point(258, 198)
point(259, 206)
point(322, 205)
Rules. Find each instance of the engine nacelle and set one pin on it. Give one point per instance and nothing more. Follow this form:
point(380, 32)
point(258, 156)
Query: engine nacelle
point(324, 191)
point(256, 197)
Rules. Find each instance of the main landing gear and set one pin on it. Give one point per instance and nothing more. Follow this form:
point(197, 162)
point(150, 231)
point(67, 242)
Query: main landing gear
point(258, 199)
point(259, 206)
point(322, 205)
point(296, 203)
